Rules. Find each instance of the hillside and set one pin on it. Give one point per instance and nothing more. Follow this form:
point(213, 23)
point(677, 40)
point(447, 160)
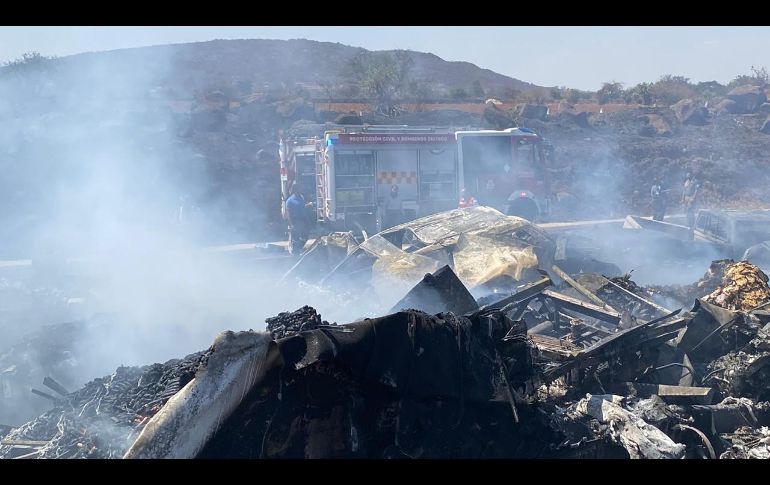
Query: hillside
point(256, 64)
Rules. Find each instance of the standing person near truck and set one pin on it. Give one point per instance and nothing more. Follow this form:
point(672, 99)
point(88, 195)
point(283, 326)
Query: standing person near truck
point(394, 208)
point(658, 196)
point(690, 197)
point(299, 223)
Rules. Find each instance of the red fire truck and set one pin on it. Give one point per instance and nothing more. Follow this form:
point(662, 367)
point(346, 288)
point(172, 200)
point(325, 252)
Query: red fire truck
point(351, 170)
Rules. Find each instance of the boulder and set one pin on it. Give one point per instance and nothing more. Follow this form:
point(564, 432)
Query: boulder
point(747, 98)
point(726, 106)
point(655, 125)
point(691, 112)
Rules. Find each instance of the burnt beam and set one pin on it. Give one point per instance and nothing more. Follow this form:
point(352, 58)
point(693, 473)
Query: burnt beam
point(582, 289)
point(583, 308)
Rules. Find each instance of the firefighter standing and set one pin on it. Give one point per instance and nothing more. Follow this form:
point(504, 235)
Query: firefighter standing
point(690, 198)
point(299, 223)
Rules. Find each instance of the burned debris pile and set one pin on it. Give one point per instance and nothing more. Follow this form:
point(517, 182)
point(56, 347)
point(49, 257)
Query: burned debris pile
point(101, 419)
point(404, 385)
point(727, 283)
point(743, 287)
point(538, 373)
point(286, 324)
point(494, 352)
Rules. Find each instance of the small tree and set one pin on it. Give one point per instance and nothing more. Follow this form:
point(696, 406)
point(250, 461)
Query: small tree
point(557, 93)
point(383, 77)
point(28, 61)
point(641, 94)
point(710, 89)
point(572, 95)
point(612, 91)
point(671, 89)
point(28, 76)
point(758, 77)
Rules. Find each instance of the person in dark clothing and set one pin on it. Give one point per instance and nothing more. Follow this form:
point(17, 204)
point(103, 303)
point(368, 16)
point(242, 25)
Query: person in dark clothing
point(299, 223)
point(658, 196)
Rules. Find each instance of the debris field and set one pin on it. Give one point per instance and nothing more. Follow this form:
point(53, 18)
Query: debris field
point(545, 364)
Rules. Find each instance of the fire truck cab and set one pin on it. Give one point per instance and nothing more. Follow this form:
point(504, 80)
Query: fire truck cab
point(506, 170)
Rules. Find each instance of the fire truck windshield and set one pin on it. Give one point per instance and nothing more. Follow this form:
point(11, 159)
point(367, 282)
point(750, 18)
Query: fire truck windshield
point(497, 156)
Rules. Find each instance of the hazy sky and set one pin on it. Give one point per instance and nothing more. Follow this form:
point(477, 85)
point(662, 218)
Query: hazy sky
point(579, 57)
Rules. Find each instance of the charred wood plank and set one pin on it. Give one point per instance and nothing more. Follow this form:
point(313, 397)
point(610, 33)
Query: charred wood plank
point(582, 307)
point(596, 328)
point(582, 289)
point(45, 395)
point(639, 298)
point(554, 348)
point(523, 296)
point(55, 386)
point(541, 328)
point(26, 443)
point(670, 394)
point(27, 456)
